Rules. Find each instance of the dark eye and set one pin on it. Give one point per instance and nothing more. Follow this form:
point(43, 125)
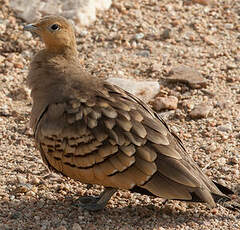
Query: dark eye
point(55, 27)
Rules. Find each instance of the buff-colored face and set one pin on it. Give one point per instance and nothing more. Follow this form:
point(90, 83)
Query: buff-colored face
point(55, 31)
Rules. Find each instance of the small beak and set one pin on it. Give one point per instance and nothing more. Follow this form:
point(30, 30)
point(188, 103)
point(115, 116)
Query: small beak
point(30, 27)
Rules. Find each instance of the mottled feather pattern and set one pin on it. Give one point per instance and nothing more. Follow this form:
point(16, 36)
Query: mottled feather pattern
point(104, 146)
point(97, 133)
point(111, 135)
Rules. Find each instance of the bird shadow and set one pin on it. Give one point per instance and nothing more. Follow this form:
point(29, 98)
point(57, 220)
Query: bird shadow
point(64, 211)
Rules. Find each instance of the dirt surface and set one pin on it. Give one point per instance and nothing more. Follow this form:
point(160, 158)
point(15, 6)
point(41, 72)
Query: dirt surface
point(141, 40)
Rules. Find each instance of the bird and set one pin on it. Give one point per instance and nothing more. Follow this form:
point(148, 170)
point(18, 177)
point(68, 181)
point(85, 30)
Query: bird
point(95, 132)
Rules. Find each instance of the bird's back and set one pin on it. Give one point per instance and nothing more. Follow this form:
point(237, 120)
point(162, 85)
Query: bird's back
point(97, 133)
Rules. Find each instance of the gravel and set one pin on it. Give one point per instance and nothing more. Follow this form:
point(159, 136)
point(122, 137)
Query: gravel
point(127, 41)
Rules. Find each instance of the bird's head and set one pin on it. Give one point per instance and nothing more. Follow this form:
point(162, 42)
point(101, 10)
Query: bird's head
point(56, 32)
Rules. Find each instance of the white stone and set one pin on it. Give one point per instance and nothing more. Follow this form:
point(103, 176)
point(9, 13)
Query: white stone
point(145, 90)
point(229, 26)
point(139, 36)
point(82, 12)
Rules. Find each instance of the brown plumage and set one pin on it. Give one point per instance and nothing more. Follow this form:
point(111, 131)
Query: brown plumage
point(97, 133)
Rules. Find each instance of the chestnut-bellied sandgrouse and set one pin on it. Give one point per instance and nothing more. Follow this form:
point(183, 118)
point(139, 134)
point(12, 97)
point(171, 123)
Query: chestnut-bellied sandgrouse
point(97, 133)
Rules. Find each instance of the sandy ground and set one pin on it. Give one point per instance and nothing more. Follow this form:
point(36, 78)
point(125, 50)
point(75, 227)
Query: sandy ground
point(205, 38)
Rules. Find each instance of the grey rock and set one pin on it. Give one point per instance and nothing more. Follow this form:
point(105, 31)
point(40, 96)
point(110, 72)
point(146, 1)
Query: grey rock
point(187, 75)
point(200, 111)
point(225, 128)
point(145, 90)
point(143, 53)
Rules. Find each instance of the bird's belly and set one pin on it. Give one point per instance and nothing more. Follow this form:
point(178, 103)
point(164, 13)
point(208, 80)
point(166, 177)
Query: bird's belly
point(84, 175)
point(100, 173)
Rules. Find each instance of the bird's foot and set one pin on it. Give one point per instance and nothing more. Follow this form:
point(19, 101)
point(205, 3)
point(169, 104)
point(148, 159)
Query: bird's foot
point(97, 203)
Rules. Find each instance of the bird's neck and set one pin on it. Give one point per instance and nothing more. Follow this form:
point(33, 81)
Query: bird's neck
point(48, 66)
point(66, 51)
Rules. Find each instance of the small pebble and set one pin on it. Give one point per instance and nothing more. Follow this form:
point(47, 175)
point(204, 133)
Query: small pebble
point(204, 2)
point(61, 228)
point(210, 40)
point(23, 188)
point(229, 26)
point(134, 45)
point(225, 128)
point(214, 211)
point(143, 53)
point(156, 67)
point(200, 111)
point(237, 136)
point(37, 218)
point(165, 216)
point(30, 193)
point(139, 36)
point(196, 215)
point(166, 34)
point(76, 226)
point(21, 179)
point(28, 34)
point(212, 147)
point(169, 102)
point(35, 180)
point(231, 66)
point(221, 161)
point(83, 33)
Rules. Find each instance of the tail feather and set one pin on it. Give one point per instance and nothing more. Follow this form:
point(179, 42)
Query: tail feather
point(226, 202)
point(233, 206)
point(224, 189)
